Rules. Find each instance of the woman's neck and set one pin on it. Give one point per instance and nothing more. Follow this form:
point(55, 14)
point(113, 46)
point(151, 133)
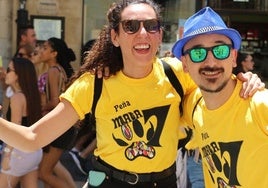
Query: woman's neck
point(16, 89)
point(137, 71)
point(52, 63)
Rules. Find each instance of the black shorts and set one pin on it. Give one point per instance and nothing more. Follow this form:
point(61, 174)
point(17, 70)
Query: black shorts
point(66, 140)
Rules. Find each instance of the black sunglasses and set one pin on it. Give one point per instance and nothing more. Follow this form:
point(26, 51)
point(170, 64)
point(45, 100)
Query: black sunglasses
point(34, 53)
point(132, 26)
point(199, 54)
point(21, 55)
point(10, 70)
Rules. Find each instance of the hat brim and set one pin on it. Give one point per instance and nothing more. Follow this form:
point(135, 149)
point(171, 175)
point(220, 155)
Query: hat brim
point(177, 49)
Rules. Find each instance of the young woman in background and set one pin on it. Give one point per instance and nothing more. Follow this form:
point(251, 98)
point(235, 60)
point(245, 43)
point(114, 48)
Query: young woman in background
point(24, 109)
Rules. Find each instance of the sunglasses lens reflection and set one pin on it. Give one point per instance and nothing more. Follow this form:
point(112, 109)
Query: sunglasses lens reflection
point(132, 26)
point(199, 54)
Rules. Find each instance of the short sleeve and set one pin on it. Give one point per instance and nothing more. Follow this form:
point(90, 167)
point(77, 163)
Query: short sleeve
point(80, 94)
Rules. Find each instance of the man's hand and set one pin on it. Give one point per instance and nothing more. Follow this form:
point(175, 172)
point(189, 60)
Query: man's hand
point(105, 73)
point(252, 83)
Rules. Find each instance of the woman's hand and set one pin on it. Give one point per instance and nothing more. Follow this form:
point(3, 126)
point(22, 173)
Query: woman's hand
point(5, 163)
point(6, 159)
point(252, 83)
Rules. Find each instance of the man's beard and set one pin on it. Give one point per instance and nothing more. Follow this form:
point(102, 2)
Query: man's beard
point(212, 80)
point(206, 89)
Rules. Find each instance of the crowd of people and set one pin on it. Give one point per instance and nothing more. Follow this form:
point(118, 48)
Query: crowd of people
point(33, 81)
point(134, 142)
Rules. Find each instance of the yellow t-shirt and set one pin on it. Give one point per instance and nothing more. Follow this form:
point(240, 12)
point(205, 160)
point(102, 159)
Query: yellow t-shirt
point(136, 119)
point(233, 139)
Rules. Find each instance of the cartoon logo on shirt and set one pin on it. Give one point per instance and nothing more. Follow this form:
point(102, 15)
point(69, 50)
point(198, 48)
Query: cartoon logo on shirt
point(141, 131)
point(221, 161)
point(223, 184)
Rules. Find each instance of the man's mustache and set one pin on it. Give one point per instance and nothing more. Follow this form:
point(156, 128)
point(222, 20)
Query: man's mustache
point(211, 69)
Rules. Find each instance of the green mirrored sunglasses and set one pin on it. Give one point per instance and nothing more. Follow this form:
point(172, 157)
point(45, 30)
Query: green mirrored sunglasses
point(199, 54)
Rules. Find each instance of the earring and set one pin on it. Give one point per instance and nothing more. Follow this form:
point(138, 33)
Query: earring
point(116, 44)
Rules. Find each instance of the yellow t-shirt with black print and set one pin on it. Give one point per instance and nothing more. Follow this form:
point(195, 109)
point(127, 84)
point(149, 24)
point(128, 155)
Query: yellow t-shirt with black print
point(137, 120)
point(233, 139)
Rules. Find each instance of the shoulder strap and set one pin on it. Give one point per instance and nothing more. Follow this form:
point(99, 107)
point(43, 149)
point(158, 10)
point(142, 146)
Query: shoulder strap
point(62, 82)
point(89, 119)
point(97, 93)
point(195, 108)
point(174, 81)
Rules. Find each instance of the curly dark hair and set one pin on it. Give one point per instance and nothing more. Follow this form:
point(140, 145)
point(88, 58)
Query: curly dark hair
point(103, 53)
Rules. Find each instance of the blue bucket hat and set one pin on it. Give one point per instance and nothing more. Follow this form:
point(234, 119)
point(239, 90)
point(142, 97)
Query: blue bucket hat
point(205, 21)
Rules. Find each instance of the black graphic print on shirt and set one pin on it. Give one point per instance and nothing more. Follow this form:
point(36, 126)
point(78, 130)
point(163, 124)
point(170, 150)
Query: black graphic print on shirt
point(146, 125)
point(221, 158)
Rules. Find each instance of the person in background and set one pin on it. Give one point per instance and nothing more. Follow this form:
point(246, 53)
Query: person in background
point(86, 47)
point(244, 63)
point(56, 54)
point(24, 109)
point(137, 115)
point(83, 149)
point(25, 51)
point(231, 132)
point(27, 39)
point(41, 70)
point(195, 175)
point(27, 35)
point(40, 66)
point(86, 138)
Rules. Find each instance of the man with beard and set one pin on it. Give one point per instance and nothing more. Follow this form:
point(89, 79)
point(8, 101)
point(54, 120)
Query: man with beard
point(231, 132)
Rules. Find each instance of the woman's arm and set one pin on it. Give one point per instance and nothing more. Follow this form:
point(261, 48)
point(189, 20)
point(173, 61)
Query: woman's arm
point(47, 129)
point(18, 107)
point(89, 149)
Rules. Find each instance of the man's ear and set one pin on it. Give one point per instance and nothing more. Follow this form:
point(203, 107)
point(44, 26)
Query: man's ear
point(114, 38)
point(23, 37)
point(234, 57)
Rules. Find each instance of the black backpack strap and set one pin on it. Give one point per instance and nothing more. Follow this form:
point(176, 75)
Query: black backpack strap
point(97, 94)
point(189, 132)
point(89, 119)
point(194, 109)
point(174, 81)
